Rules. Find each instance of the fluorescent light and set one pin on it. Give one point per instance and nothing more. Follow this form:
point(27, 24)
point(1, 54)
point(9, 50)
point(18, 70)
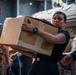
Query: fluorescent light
point(30, 3)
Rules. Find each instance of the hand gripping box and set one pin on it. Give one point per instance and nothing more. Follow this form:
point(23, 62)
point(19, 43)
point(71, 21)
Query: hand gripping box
point(14, 37)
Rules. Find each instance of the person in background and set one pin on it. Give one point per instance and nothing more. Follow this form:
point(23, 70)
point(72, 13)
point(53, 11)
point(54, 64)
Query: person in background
point(68, 59)
point(13, 68)
point(26, 63)
point(3, 53)
point(43, 64)
point(5, 61)
point(1, 62)
point(19, 63)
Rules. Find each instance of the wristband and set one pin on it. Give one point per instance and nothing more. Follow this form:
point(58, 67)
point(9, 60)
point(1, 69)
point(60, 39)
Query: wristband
point(35, 30)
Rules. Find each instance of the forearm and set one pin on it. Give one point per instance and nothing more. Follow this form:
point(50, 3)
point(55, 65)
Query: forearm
point(53, 38)
point(12, 50)
point(6, 54)
point(15, 53)
point(46, 36)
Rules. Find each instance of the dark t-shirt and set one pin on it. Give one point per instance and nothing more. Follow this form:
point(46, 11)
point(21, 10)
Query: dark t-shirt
point(73, 54)
point(57, 49)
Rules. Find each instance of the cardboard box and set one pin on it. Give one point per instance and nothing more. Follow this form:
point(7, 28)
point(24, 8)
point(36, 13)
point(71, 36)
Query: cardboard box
point(14, 37)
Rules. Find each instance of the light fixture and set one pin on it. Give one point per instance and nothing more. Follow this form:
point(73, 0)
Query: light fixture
point(30, 3)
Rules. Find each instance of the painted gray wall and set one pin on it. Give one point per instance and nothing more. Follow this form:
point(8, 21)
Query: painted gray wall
point(14, 8)
point(49, 5)
point(9, 8)
point(27, 9)
point(6, 10)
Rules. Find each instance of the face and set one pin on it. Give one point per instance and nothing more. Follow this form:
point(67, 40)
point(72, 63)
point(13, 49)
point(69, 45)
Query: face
point(58, 21)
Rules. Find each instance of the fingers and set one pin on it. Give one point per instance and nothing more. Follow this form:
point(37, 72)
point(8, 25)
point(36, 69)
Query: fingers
point(28, 26)
point(65, 63)
point(66, 60)
point(23, 27)
point(29, 21)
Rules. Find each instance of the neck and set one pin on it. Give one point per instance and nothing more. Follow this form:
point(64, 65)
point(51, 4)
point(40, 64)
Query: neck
point(60, 29)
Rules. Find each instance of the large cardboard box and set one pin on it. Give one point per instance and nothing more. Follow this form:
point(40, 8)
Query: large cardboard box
point(14, 37)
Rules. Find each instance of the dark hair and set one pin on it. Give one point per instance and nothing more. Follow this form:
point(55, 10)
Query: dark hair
point(59, 12)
